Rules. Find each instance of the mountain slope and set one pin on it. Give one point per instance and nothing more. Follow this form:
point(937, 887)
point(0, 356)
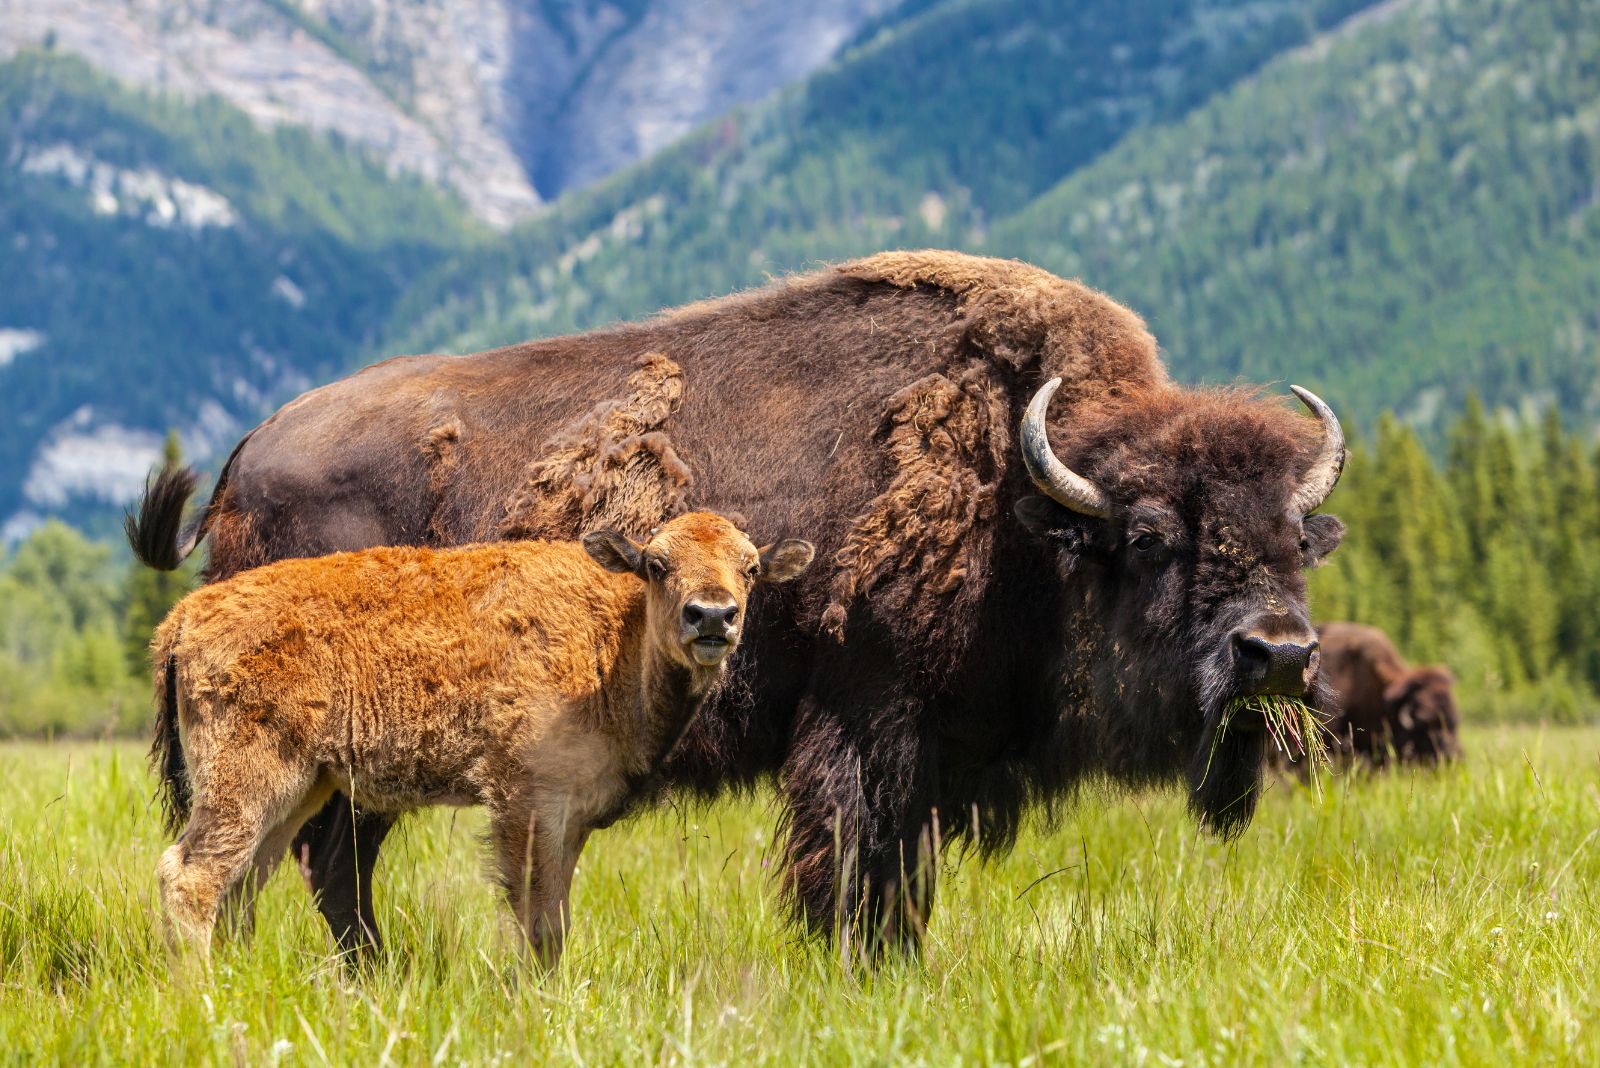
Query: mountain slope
point(1405, 215)
point(933, 123)
point(507, 102)
point(1398, 208)
point(170, 265)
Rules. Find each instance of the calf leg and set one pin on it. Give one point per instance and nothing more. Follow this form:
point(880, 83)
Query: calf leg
point(242, 795)
point(239, 908)
point(338, 849)
point(536, 860)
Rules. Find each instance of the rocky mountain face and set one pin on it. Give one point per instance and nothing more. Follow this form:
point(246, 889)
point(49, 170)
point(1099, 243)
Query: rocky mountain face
point(509, 102)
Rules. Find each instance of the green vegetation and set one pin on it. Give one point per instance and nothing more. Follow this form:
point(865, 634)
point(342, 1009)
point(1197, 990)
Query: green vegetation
point(1402, 216)
point(1489, 562)
point(74, 633)
point(1441, 919)
point(150, 322)
point(940, 119)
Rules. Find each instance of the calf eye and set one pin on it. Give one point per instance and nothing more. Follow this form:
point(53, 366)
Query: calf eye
point(655, 569)
point(752, 571)
point(1146, 542)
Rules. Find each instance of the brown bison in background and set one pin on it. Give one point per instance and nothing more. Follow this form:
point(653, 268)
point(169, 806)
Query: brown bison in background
point(961, 650)
point(1378, 707)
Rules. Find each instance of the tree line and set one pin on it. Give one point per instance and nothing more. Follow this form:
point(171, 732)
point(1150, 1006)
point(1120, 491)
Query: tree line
point(1487, 559)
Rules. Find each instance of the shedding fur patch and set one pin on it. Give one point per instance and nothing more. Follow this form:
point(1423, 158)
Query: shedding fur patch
point(611, 468)
point(930, 529)
point(441, 446)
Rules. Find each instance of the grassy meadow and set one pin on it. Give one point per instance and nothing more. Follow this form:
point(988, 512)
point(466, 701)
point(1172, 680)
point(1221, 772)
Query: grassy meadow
point(1407, 918)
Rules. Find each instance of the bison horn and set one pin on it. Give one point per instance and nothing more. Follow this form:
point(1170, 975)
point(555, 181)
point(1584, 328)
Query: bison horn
point(1058, 481)
point(1325, 470)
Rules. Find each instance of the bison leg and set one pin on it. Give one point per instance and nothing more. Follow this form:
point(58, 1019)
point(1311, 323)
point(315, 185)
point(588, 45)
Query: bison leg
point(239, 908)
point(244, 796)
point(338, 849)
point(858, 784)
point(537, 858)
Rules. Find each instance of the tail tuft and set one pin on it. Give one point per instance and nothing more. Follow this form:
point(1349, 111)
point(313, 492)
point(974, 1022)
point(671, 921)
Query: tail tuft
point(156, 530)
point(166, 753)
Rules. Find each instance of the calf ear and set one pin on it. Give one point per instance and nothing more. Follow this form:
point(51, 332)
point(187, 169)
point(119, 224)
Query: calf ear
point(784, 560)
point(1323, 533)
point(614, 552)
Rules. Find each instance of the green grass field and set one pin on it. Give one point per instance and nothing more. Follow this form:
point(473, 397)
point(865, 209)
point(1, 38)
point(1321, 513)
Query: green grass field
point(1408, 918)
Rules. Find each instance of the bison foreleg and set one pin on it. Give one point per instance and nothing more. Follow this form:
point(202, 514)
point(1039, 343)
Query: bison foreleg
point(537, 852)
point(338, 849)
point(861, 839)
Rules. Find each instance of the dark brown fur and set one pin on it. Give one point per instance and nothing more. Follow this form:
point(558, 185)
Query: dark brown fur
point(940, 657)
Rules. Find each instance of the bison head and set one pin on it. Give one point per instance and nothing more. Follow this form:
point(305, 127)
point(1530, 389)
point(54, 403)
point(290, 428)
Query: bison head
point(1184, 528)
point(698, 570)
point(1421, 707)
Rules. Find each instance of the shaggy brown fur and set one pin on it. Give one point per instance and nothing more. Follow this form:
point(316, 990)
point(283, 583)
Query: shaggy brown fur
point(1379, 707)
point(948, 440)
point(518, 676)
point(982, 666)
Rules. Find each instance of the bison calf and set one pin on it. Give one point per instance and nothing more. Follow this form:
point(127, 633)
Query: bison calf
point(1381, 708)
point(519, 676)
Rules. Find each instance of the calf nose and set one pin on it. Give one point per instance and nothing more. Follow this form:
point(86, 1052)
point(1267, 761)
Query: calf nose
point(1285, 666)
point(710, 619)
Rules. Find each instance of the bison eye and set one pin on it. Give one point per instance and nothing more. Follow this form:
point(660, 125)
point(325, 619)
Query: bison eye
point(752, 571)
point(1146, 542)
point(655, 569)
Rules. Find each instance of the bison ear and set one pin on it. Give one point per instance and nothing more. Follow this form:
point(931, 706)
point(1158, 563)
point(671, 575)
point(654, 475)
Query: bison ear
point(614, 552)
point(1046, 519)
point(1323, 533)
point(786, 559)
point(1398, 694)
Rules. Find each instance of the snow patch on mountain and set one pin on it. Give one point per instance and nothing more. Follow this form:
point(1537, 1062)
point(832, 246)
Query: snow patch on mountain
point(143, 193)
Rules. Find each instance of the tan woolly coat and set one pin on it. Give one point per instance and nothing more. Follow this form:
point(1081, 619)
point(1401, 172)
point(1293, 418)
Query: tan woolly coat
point(521, 676)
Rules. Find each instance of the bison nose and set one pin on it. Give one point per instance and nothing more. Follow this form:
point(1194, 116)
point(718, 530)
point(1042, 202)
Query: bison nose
point(1278, 667)
point(710, 619)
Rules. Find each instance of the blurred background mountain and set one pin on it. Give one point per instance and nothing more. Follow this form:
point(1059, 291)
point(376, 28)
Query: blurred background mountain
point(207, 206)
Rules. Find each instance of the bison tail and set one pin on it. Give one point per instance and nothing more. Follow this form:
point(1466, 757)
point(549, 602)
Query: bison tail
point(166, 752)
point(156, 530)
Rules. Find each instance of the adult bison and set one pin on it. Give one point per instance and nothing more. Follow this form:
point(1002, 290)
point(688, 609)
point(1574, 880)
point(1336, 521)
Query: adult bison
point(961, 650)
point(1381, 708)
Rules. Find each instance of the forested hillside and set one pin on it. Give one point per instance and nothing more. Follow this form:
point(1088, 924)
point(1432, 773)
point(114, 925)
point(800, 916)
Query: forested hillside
point(935, 123)
point(170, 264)
point(1403, 216)
point(1487, 558)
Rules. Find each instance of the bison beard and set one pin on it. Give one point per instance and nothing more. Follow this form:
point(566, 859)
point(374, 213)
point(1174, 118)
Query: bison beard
point(1225, 780)
point(943, 667)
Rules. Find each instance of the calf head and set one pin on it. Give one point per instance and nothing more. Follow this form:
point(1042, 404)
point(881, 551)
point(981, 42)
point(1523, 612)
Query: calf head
point(698, 570)
point(1183, 527)
point(1421, 710)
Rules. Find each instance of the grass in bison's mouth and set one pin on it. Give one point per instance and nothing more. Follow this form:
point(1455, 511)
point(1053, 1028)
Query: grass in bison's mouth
point(1291, 724)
